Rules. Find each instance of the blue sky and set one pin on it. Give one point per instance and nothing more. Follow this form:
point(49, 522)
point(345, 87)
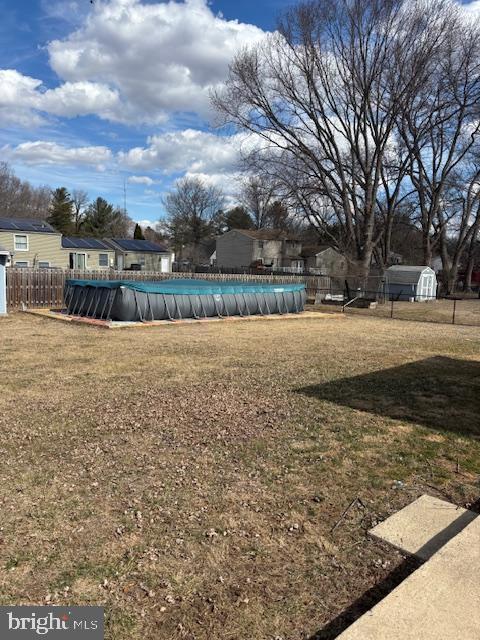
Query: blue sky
point(93, 95)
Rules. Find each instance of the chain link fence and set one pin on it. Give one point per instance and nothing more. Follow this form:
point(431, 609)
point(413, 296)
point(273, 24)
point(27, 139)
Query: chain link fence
point(458, 310)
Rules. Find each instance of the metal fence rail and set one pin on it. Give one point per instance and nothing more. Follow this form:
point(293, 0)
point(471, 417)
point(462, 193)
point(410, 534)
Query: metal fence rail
point(44, 288)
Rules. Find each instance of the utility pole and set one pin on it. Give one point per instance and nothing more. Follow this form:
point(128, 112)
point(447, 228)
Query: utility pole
point(125, 196)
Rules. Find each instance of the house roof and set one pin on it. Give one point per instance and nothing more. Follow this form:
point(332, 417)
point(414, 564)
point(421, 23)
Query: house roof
point(84, 243)
point(406, 274)
point(138, 246)
point(26, 224)
point(315, 250)
point(266, 234)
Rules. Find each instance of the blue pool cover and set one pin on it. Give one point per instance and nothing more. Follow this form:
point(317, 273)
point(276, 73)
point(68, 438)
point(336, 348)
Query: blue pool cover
point(188, 286)
point(130, 300)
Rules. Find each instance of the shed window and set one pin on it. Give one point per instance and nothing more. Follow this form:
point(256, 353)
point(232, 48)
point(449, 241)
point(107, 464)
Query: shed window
point(103, 259)
point(43, 264)
point(21, 263)
point(21, 242)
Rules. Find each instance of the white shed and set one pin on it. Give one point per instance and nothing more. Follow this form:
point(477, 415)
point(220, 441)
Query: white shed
point(416, 283)
point(4, 257)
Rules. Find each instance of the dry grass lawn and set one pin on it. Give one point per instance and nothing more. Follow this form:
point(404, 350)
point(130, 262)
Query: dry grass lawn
point(189, 477)
point(467, 312)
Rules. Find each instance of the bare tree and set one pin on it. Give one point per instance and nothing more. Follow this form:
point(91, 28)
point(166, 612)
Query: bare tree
point(79, 202)
point(323, 96)
point(257, 196)
point(19, 199)
point(191, 208)
point(440, 126)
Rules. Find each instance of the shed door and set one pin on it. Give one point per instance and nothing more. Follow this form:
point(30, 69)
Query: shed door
point(426, 290)
point(164, 265)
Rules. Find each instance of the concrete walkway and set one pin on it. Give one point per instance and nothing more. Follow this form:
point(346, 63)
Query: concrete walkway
point(438, 601)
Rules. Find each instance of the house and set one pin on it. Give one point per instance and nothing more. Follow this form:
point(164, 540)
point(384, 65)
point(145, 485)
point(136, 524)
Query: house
point(4, 257)
point(326, 260)
point(32, 243)
point(88, 253)
point(140, 255)
point(414, 283)
point(266, 247)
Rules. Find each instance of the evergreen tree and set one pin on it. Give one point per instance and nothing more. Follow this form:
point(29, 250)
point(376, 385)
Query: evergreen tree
point(238, 218)
point(61, 211)
point(138, 233)
point(102, 219)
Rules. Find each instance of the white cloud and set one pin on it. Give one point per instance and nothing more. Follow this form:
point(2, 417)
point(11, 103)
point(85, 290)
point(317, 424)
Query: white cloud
point(141, 180)
point(23, 98)
point(51, 153)
point(189, 150)
point(147, 223)
point(162, 58)
point(472, 9)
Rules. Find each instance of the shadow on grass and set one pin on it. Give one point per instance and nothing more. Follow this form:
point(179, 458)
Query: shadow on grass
point(368, 600)
point(440, 393)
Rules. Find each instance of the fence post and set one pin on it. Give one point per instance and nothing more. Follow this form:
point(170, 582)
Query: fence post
point(391, 309)
point(454, 310)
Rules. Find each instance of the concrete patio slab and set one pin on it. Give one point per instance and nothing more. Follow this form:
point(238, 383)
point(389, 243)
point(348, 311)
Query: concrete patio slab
point(438, 601)
point(424, 526)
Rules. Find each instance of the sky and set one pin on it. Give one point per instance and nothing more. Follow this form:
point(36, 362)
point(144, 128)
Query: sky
point(99, 95)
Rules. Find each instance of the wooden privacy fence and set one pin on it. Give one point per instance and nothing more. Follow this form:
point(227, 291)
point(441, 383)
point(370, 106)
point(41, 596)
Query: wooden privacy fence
point(37, 288)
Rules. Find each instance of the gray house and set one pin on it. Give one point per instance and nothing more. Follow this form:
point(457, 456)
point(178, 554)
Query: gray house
point(414, 283)
point(264, 247)
point(4, 258)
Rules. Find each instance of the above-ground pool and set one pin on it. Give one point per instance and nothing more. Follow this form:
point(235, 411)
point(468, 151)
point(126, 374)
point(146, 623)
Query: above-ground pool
point(130, 300)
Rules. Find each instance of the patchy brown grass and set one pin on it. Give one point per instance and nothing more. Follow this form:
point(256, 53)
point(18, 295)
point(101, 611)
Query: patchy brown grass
point(188, 477)
point(467, 312)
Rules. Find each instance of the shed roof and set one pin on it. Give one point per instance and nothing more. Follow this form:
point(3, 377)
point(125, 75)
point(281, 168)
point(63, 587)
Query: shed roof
point(84, 243)
point(138, 246)
point(406, 274)
point(26, 224)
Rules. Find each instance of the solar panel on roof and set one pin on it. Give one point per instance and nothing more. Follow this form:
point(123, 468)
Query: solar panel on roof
point(84, 243)
point(25, 224)
point(139, 245)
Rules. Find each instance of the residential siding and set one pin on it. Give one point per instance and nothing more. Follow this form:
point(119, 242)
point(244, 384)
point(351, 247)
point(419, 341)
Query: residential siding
point(149, 261)
point(269, 252)
point(235, 249)
point(93, 257)
point(332, 263)
point(42, 247)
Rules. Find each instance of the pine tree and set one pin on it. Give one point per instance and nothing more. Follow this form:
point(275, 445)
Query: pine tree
point(138, 233)
point(61, 211)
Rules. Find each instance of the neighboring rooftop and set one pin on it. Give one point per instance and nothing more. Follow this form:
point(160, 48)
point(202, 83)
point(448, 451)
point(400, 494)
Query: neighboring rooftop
point(139, 246)
point(84, 243)
point(26, 224)
point(266, 234)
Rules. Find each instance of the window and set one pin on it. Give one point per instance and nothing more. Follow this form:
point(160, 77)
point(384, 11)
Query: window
point(21, 242)
point(43, 264)
point(260, 244)
point(21, 263)
point(103, 259)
